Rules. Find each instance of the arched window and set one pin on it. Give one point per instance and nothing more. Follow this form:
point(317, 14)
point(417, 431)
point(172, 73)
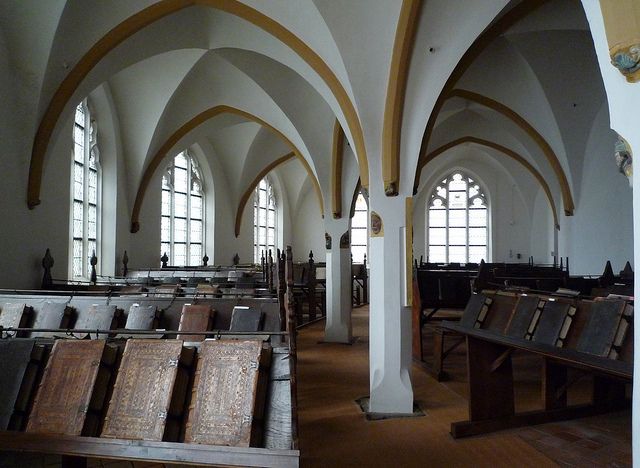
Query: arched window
point(85, 227)
point(359, 234)
point(264, 220)
point(457, 221)
point(182, 224)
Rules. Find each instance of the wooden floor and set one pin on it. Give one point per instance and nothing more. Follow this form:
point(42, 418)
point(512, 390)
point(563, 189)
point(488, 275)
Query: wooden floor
point(334, 431)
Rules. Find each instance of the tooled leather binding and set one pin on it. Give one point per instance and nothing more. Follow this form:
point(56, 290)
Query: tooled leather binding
point(142, 317)
point(14, 315)
point(97, 317)
point(142, 393)
point(51, 315)
point(195, 318)
point(224, 393)
point(245, 319)
point(67, 387)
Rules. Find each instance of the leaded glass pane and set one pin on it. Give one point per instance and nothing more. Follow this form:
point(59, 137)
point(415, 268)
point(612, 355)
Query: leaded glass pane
point(457, 218)
point(165, 230)
point(166, 203)
point(478, 236)
point(180, 161)
point(271, 218)
point(180, 205)
point(180, 230)
point(180, 254)
point(478, 217)
point(262, 217)
point(92, 222)
point(180, 180)
point(93, 187)
point(196, 231)
point(78, 219)
point(196, 207)
point(359, 219)
point(358, 252)
point(457, 182)
point(437, 236)
point(437, 254)
point(195, 255)
point(457, 236)
point(477, 253)
point(458, 254)
point(165, 248)
point(358, 236)
point(457, 200)
point(437, 218)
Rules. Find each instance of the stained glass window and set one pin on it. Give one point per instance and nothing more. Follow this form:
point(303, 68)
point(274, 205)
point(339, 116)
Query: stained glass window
point(85, 226)
point(457, 221)
point(182, 215)
point(265, 217)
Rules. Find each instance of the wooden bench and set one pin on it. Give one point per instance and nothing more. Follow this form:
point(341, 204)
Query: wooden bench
point(593, 336)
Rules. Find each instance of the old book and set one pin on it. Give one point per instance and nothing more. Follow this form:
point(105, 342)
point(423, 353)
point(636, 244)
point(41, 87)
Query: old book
point(141, 396)
point(71, 394)
point(553, 323)
point(14, 315)
point(246, 319)
point(607, 320)
point(20, 363)
point(195, 318)
point(523, 315)
point(142, 317)
point(497, 318)
point(226, 384)
point(167, 290)
point(476, 311)
point(206, 289)
point(51, 315)
point(97, 317)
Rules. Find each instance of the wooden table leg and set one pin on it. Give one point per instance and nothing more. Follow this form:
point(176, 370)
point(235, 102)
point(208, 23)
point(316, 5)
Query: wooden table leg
point(438, 353)
point(554, 385)
point(490, 390)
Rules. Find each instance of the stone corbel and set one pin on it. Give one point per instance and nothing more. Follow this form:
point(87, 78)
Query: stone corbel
point(624, 158)
point(626, 58)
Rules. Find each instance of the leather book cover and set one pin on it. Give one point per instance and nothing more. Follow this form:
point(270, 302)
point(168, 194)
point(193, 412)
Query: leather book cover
point(96, 317)
point(552, 322)
point(477, 306)
point(246, 319)
point(142, 393)
point(522, 316)
point(66, 389)
point(20, 362)
point(224, 393)
point(142, 317)
point(195, 318)
point(501, 311)
point(51, 315)
point(601, 328)
point(14, 315)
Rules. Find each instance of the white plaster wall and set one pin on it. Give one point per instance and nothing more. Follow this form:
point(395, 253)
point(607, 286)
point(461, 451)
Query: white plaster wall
point(542, 230)
point(308, 229)
point(601, 228)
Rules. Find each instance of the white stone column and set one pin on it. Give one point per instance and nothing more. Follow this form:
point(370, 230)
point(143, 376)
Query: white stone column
point(338, 325)
point(624, 106)
point(390, 319)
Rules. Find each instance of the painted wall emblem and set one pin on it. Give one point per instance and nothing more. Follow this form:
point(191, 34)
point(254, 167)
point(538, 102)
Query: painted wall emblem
point(377, 228)
point(327, 240)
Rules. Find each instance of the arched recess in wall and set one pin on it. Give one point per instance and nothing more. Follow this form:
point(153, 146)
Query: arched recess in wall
point(501, 25)
point(537, 138)
point(507, 152)
point(184, 130)
point(545, 147)
point(151, 14)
